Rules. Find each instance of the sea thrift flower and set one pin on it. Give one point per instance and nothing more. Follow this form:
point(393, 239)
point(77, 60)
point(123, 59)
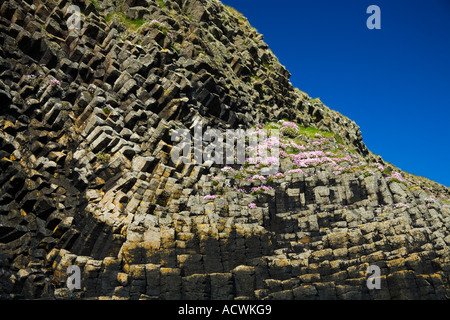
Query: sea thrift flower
point(257, 177)
point(378, 165)
point(252, 205)
point(55, 82)
point(227, 169)
point(289, 124)
point(401, 205)
point(297, 146)
point(209, 197)
point(397, 176)
point(261, 189)
point(294, 170)
point(277, 175)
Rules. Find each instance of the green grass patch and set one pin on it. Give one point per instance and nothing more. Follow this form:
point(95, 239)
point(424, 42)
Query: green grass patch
point(268, 66)
point(398, 181)
point(103, 157)
point(132, 25)
point(387, 170)
point(311, 132)
point(160, 3)
point(106, 110)
point(95, 4)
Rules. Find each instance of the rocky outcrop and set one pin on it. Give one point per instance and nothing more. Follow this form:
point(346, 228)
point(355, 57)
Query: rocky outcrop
point(87, 176)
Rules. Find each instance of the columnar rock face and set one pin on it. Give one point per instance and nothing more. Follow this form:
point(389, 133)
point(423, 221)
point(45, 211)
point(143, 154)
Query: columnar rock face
point(88, 177)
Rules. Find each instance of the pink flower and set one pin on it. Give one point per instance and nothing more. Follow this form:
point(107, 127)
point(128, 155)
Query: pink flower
point(55, 82)
point(277, 175)
point(297, 146)
point(430, 200)
point(378, 165)
point(401, 205)
point(398, 176)
point(294, 170)
point(289, 124)
point(227, 169)
point(258, 177)
point(252, 205)
point(209, 197)
point(260, 189)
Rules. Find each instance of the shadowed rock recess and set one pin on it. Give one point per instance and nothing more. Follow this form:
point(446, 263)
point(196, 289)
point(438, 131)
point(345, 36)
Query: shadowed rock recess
point(87, 178)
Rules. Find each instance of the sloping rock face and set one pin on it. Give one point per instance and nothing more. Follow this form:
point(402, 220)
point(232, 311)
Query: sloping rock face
point(87, 113)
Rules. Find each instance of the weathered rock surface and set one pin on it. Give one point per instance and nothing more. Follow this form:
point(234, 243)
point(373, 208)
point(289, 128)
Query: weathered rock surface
point(86, 117)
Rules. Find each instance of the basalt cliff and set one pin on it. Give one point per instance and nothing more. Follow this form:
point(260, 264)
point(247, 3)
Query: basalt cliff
point(91, 93)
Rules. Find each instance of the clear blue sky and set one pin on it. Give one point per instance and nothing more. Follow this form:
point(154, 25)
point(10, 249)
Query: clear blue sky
point(393, 82)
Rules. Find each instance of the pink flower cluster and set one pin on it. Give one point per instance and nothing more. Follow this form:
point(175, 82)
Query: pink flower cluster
point(289, 128)
point(227, 169)
point(256, 177)
point(240, 190)
point(311, 158)
point(291, 125)
point(294, 171)
point(277, 175)
point(209, 197)
point(297, 146)
point(260, 189)
point(252, 205)
point(266, 161)
point(430, 200)
point(398, 176)
point(378, 166)
point(55, 82)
